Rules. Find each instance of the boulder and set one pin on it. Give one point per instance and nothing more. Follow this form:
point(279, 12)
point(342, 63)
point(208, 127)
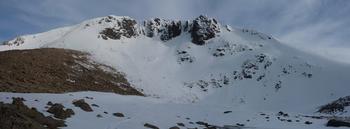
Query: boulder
point(82, 105)
point(337, 123)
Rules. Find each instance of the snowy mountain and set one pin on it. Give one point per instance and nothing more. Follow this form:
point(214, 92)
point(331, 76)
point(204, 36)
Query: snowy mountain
point(197, 68)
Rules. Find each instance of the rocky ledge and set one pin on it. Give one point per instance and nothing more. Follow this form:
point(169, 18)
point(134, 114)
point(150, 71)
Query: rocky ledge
point(201, 28)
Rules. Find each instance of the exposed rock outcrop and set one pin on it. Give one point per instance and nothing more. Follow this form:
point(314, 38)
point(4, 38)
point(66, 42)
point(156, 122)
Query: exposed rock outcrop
point(17, 41)
point(82, 105)
point(125, 27)
point(335, 106)
point(203, 28)
point(164, 28)
point(337, 123)
point(19, 116)
point(59, 112)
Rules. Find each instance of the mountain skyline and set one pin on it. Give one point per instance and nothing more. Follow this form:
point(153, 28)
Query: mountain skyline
point(312, 25)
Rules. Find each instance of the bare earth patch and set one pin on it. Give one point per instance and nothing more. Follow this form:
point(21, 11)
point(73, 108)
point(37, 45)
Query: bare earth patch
point(51, 70)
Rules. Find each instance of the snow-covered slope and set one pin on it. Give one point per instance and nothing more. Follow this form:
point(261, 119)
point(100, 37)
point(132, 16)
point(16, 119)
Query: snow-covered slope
point(201, 61)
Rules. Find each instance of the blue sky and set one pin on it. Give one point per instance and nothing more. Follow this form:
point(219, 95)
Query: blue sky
point(320, 26)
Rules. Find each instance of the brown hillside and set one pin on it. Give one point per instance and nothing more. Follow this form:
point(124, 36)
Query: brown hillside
point(50, 70)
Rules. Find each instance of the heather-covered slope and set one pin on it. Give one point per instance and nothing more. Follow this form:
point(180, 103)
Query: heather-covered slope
point(50, 70)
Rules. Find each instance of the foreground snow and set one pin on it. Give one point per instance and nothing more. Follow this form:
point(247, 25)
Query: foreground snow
point(141, 110)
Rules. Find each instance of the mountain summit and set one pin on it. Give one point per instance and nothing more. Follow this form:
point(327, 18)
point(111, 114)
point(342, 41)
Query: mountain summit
point(201, 29)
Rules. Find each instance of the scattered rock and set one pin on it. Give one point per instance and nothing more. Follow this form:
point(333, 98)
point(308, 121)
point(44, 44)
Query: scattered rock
point(308, 122)
point(174, 127)
point(19, 100)
point(239, 124)
point(309, 75)
point(184, 56)
point(317, 117)
point(201, 123)
point(95, 105)
point(337, 123)
point(206, 125)
point(230, 127)
point(225, 112)
point(87, 97)
point(49, 103)
point(118, 114)
point(82, 105)
point(278, 85)
point(181, 124)
point(250, 68)
point(58, 111)
point(150, 126)
point(99, 116)
point(282, 114)
point(19, 116)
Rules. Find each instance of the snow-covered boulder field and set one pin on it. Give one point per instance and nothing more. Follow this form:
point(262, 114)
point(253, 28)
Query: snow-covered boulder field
point(194, 74)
